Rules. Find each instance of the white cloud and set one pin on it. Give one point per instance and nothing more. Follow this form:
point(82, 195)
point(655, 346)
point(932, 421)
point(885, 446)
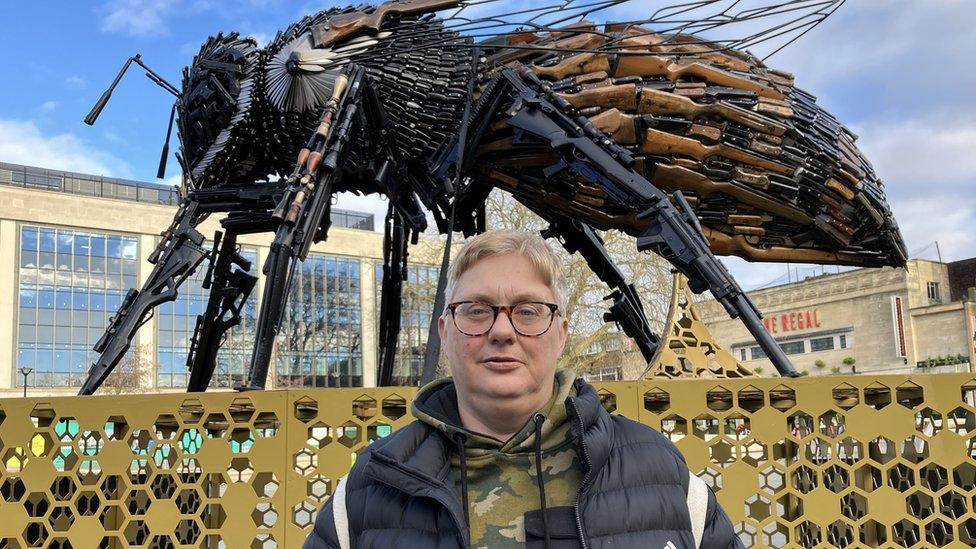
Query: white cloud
point(48, 107)
point(136, 17)
point(916, 155)
point(23, 143)
point(75, 82)
point(949, 219)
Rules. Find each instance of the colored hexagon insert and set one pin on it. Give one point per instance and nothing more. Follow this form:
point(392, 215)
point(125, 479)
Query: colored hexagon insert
point(377, 430)
point(90, 443)
point(190, 441)
point(712, 478)
point(657, 400)
point(264, 541)
point(241, 440)
point(66, 429)
point(14, 459)
point(394, 407)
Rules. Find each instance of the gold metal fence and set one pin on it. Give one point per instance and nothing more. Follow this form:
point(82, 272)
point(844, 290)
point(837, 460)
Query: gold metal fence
point(856, 461)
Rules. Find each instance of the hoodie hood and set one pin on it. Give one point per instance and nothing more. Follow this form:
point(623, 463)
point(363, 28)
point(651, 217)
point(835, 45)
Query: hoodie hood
point(436, 405)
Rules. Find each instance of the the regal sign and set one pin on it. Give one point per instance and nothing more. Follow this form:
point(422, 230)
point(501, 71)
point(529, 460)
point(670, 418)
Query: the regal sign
point(789, 322)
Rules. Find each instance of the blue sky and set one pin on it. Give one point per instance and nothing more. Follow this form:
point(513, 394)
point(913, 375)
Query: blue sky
point(900, 73)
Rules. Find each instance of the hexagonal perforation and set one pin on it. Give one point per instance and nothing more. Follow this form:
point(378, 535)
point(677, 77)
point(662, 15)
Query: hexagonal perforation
point(719, 399)
point(657, 400)
point(909, 395)
point(751, 399)
point(845, 396)
point(394, 407)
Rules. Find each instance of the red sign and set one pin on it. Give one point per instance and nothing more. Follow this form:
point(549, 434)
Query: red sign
point(789, 322)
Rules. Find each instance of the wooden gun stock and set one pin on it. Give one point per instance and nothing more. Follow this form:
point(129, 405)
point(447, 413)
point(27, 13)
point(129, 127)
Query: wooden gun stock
point(346, 25)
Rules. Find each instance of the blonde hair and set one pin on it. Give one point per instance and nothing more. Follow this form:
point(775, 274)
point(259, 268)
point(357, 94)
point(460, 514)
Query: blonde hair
point(507, 241)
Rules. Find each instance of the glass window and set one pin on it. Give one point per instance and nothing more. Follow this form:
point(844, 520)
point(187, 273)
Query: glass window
point(177, 322)
point(843, 341)
point(793, 347)
point(757, 353)
point(54, 303)
point(821, 344)
point(417, 300)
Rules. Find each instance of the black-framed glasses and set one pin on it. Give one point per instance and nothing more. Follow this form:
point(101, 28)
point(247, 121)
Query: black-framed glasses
point(529, 318)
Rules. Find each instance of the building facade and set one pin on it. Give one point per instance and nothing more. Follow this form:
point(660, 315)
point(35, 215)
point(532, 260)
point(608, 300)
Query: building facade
point(73, 244)
point(918, 319)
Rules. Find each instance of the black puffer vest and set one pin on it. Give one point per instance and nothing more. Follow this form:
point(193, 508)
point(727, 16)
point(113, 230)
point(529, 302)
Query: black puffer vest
point(401, 491)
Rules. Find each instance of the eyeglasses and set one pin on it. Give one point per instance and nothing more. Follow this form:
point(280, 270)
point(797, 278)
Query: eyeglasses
point(529, 318)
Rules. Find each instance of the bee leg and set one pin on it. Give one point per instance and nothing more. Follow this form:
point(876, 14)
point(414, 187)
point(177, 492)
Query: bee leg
point(539, 116)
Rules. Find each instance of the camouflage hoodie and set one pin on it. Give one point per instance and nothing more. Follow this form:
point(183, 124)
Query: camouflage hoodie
point(500, 478)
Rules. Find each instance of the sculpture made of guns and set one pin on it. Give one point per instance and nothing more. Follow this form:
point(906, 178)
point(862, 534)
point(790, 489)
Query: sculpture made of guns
point(691, 145)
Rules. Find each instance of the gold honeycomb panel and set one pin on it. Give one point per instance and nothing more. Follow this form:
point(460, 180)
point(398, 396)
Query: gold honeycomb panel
point(860, 461)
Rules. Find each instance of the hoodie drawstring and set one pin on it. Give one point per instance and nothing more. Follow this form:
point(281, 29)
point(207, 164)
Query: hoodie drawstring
point(540, 418)
point(460, 439)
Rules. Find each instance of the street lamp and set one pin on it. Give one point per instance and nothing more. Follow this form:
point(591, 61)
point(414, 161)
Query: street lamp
point(26, 372)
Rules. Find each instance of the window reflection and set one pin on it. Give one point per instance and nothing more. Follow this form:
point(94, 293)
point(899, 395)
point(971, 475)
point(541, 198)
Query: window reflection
point(417, 301)
point(320, 343)
point(177, 321)
point(63, 292)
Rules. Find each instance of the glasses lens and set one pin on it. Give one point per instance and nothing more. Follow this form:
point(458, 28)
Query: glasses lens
point(531, 318)
point(473, 318)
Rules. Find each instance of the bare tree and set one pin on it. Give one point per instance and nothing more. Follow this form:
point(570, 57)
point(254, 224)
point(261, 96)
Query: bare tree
point(593, 343)
point(132, 374)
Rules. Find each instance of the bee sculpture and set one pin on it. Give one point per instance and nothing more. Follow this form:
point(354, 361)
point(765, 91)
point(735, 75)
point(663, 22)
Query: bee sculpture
point(691, 145)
